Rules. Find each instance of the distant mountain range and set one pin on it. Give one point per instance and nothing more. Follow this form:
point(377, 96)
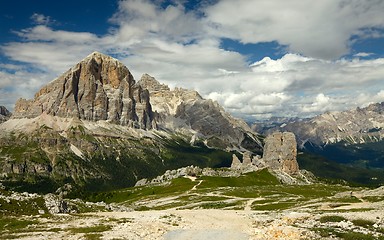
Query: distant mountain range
point(262, 126)
point(97, 127)
point(347, 144)
point(360, 125)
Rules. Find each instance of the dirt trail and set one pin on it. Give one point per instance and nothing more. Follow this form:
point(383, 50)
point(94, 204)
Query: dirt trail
point(194, 187)
point(182, 224)
point(248, 205)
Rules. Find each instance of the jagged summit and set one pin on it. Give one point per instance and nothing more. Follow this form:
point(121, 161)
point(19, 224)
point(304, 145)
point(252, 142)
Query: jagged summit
point(96, 53)
point(103, 57)
point(101, 88)
point(185, 110)
point(150, 83)
point(97, 88)
point(359, 125)
point(4, 114)
point(4, 111)
point(66, 131)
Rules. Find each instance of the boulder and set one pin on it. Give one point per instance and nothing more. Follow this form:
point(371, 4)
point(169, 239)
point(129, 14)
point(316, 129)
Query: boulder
point(141, 182)
point(55, 204)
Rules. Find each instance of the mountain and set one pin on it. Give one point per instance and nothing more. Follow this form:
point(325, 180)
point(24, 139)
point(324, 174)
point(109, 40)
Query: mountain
point(4, 114)
point(347, 145)
point(355, 126)
point(97, 88)
point(264, 125)
point(185, 110)
point(98, 128)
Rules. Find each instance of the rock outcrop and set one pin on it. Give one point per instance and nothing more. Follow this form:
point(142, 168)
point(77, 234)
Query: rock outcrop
point(192, 172)
point(249, 164)
point(280, 151)
point(97, 88)
point(55, 204)
point(4, 114)
point(236, 164)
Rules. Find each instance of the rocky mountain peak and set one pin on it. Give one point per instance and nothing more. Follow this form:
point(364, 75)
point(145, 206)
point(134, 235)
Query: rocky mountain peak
point(4, 111)
point(97, 88)
point(4, 114)
point(186, 110)
point(101, 88)
point(150, 83)
point(109, 70)
point(375, 107)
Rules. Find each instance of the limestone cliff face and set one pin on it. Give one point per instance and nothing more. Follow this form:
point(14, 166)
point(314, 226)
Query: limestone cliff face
point(280, 151)
point(97, 88)
point(185, 110)
point(4, 114)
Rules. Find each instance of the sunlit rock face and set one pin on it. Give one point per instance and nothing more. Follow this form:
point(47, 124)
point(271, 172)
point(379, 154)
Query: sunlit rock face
point(186, 110)
point(280, 151)
point(97, 88)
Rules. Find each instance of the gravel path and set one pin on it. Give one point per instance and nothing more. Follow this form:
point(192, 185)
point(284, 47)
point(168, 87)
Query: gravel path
point(205, 234)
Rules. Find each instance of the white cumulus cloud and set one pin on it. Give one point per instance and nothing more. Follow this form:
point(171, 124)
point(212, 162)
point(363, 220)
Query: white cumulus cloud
point(183, 48)
point(321, 29)
point(41, 19)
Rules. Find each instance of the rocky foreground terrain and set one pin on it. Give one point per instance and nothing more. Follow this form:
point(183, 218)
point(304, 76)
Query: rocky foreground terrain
point(259, 197)
point(90, 135)
point(251, 206)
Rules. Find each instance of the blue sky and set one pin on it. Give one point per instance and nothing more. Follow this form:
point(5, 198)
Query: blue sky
point(256, 58)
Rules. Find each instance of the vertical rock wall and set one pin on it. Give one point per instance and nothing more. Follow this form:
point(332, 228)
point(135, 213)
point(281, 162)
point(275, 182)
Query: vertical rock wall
point(97, 88)
point(280, 151)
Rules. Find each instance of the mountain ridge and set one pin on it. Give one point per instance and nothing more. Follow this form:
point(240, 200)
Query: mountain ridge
point(95, 126)
point(353, 126)
point(181, 109)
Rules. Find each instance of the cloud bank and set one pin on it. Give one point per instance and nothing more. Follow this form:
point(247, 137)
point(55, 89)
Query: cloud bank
point(183, 47)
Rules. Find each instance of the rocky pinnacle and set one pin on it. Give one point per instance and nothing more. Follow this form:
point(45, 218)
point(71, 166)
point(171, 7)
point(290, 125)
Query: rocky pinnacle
point(280, 151)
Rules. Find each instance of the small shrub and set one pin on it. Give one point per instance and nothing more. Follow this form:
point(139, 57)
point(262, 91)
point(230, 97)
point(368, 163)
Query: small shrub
point(324, 232)
point(273, 206)
point(363, 223)
point(332, 218)
point(93, 229)
point(351, 199)
point(374, 198)
point(15, 225)
point(356, 236)
point(218, 205)
point(93, 236)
